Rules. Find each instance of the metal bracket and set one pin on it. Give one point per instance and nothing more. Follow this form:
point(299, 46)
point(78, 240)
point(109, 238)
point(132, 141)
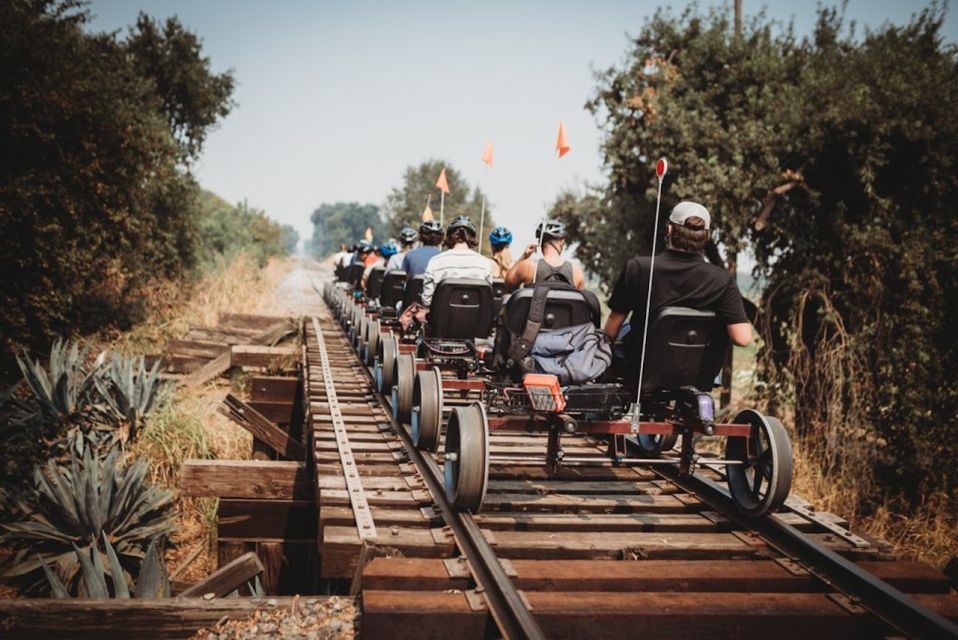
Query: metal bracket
point(365, 525)
point(805, 510)
point(846, 603)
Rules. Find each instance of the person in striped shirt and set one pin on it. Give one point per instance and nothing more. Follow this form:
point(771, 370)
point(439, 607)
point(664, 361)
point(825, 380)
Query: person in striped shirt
point(460, 260)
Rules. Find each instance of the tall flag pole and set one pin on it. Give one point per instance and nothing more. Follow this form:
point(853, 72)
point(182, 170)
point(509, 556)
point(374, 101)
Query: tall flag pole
point(487, 160)
point(562, 148)
point(427, 212)
point(443, 185)
point(661, 168)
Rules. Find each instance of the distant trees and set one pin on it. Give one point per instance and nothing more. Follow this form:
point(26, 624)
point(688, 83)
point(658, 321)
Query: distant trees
point(829, 158)
point(405, 204)
point(343, 223)
point(225, 230)
point(96, 199)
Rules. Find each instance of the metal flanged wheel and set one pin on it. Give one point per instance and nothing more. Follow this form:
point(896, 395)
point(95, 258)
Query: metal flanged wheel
point(761, 483)
point(372, 343)
point(360, 334)
point(402, 391)
point(426, 418)
point(651, 445)
point(386, 363)
point(467, 458)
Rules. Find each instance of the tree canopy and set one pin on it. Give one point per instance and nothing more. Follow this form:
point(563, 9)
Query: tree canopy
point(344, 223)
point(834, 158)
point(96, 200)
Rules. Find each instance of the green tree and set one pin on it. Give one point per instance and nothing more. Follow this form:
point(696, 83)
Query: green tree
point(290, 239)
point(95, 200)
point(226, 230)
point(344, 223)
point(827, 156)
point(405, 204)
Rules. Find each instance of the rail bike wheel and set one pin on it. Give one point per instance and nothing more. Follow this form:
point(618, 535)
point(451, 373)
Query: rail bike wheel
point(426, 418)
point(651, 445)
point(405, 381)
point(761, 483)
point(386, 367)
point(360, 334)
point(372, 343)
point(466, 466)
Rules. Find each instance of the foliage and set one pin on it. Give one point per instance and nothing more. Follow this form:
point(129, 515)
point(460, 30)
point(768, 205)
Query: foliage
point(343, 223)
point(66, 389)
point(226, 230)
point(71, 504)
point(130, 391)
point(405, 204)
point(96, 202)
point(828, 158)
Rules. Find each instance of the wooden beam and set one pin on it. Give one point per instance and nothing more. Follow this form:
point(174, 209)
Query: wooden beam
point(255, 519)
point(221, 363)
point(196, 348)
point(228, 578)
point(251, 321)
point(246, 479)
point(122, 619)
point(275, 388)
point(261, 428)
point(260, 356)
point(278, 412)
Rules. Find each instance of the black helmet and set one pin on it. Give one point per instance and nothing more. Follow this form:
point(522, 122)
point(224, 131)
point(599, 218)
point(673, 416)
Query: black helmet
point(462, 222)
point(364, 246)
point(553, 229)
point(430, 226)
point(408, 235)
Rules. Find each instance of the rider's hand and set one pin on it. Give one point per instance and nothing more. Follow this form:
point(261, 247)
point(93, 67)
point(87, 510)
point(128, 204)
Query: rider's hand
point(530, 249)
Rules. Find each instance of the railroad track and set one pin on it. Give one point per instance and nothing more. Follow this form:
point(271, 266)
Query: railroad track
point(591, 550)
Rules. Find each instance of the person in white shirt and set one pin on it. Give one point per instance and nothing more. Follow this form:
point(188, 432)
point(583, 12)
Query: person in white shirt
point(458, 261)
point(407, 237)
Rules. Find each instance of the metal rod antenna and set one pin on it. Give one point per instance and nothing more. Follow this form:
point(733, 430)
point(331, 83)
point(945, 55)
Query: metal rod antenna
point(661, 167)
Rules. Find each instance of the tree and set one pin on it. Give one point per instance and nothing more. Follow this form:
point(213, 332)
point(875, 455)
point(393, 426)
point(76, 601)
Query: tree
point(95, 203)
point(828, 158)
point(343, 223)
point(405, 204)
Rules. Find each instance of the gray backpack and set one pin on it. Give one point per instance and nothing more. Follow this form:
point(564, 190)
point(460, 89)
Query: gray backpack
point(575, 354)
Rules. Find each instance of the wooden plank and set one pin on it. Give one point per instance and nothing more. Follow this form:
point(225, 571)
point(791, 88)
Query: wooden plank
point(278, 412)
point(261, 428)
point(261, 356)
point(340, 546)
point(400, 615)
point(275, 388)
point(574, 522)
point(271, 555)
point(251, 320)
point(249, 479)
point(33, 618)
point(281, 519)
point(227, 578)
point(221, 363)
point(587, 504)
point(379, 498)
point(412, 516)
point(196, 348)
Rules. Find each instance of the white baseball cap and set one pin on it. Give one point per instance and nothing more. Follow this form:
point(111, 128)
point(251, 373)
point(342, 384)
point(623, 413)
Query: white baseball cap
point(685, 210)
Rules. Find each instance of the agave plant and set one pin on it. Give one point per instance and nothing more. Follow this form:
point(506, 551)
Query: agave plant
point(129, 390)
point(65, 389)
point(71, 504)
point(96, 580)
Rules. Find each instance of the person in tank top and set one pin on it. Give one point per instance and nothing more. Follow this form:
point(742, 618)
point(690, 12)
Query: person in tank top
point(551, 267)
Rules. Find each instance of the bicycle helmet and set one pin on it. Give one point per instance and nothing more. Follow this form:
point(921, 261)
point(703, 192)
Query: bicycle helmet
point(462, 222)
point(388, 249)
point(430, 226)
point(408, 235)
point(364, 246)
point(499, 237)
point(553, 229)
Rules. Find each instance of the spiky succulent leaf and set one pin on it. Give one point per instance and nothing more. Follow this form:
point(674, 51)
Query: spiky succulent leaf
point(93, 580)
point(56, 585)
point(120, 588)
point(153, 581)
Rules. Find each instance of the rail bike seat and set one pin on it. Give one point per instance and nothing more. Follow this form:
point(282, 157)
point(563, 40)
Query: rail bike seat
point(684, 348)
point(354, 274)
point(564, 307)
point(391, 292)
point(498, 293)
point(412, 291)
point(461, 309)
point(374, 283)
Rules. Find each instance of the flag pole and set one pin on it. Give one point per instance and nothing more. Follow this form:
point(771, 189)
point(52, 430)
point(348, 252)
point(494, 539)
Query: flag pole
point(482, 212)
point(661, 167)
point(442, 208)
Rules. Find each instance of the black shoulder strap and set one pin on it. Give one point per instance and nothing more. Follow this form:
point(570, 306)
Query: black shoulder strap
point(521, 348)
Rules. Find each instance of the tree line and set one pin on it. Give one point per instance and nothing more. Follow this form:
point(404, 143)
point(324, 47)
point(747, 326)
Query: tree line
point(833, 158)
point(97, 199)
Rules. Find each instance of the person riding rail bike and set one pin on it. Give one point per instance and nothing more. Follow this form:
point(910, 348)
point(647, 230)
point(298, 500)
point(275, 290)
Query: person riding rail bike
point(500, 239)
point(407, 237)
point(430, 233)
point(551, 266)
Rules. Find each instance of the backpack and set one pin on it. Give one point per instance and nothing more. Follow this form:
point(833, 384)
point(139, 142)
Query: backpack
point(574, 354)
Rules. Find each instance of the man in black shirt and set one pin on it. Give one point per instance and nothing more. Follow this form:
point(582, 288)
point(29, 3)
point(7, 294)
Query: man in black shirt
point(682, 278)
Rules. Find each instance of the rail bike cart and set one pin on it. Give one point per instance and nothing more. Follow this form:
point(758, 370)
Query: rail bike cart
point(386, 319)
point(685, 350)
point(450, 341)
point(390, 346)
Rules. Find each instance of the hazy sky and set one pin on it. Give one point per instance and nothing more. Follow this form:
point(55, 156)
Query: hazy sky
point(336, 99)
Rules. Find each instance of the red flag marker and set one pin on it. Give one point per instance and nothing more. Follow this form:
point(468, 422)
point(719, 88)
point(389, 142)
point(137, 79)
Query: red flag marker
point(441, 183)
point(562, 143)
point(661, 167)
point(487, 154)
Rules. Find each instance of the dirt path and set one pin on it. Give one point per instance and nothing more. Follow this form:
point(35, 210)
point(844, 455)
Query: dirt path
point(295, 294)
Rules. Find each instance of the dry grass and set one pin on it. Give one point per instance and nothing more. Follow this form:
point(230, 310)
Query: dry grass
point(931, 535)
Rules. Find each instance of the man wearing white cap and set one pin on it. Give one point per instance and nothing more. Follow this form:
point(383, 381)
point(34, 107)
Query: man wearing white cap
point(682, 278)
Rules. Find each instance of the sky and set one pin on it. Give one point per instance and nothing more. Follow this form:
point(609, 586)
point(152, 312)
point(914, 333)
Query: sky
point(336, 99)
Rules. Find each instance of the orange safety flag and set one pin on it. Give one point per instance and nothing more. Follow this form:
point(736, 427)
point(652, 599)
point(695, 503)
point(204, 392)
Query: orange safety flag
point(427, 214)
point(562, 143)
point(441, 183)
point(369, 234)
point(487, 154)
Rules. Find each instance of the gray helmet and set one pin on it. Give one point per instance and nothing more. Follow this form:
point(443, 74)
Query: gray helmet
point(462, 222)
point(430, 226)
point(553, 229)
point(408, 235)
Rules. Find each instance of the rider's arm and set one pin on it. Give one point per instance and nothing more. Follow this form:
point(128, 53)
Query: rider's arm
point(740, 333)
point(578, 278)
point(614, 323)
point(518, 273)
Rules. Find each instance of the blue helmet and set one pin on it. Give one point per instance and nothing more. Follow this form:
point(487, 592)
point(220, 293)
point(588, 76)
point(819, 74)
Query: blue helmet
point(499, 237)
point(388, 249)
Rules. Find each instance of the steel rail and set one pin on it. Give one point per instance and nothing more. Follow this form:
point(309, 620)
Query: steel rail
point(504, 602)
point(895, 608)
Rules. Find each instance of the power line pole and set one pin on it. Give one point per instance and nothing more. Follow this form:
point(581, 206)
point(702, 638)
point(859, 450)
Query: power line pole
point(738, 18)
